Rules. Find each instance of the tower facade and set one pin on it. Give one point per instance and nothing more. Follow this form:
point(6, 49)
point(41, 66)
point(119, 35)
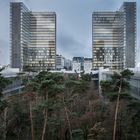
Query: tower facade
point(33, 43)
point(114, 37)
point(129, 22)
point(19, 26)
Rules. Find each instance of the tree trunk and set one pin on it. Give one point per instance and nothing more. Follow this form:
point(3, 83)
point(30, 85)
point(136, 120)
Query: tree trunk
point(31, 119)
point(116, 110)
point(19, 134)
point(137, 137)
point(45, 118)
point(45, 125)
point(5, 123)
point(67, 117)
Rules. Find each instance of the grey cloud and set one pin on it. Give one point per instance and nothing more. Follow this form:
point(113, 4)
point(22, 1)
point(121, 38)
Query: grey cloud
point(74, 22)
point(68, 43)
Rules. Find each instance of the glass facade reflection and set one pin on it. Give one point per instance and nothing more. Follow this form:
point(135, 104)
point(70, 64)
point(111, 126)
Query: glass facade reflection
point(36, 39)
point(42, 49)
point(112, 33)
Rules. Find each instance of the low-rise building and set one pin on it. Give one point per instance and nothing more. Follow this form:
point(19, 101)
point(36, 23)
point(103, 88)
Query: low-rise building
point(16, 83)
point(59, 62)
point(105, 74)
point(67, 64)
point(78, 64)
point(62, 63)
point(87, 65)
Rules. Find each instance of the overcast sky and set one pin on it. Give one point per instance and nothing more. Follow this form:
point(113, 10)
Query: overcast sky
point(74, 20)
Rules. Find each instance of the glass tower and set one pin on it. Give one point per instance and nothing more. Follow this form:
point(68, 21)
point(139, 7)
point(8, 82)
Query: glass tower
point(114, 37)
point(20, 22)
point(129, 20)
point(33, 43)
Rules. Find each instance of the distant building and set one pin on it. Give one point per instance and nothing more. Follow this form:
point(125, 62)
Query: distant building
point(59, 62)
point(67, 64)
point(114, 38)
point(82, 64)
point(138, 65)
point(33, 38)
point(62, 63)
point(1, 66)
point(87, 65)
point(78, 64)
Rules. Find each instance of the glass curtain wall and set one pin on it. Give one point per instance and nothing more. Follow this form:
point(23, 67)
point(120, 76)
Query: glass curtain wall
point(107, 40)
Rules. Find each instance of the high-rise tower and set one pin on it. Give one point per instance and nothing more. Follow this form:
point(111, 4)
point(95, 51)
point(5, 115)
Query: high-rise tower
point(20, 22)
point(129, 24)
point(114, 37)
point(33, 38)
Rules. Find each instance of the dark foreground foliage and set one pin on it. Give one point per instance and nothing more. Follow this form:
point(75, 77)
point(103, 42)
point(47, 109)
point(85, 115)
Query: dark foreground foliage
point(62, 107)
